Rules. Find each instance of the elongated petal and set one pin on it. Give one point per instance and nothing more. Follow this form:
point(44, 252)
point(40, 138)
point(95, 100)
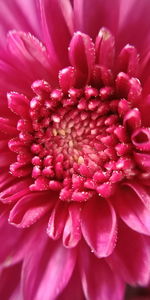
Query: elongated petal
point(97, 278)
point(131, 257)
point(7, 127)
point(105, 48)
point(74, 289)
point(143, 160)
point(11, 275)
point(57, 220)
point(99, 226)
point(81, 53)
point(31, 54)
point(57, 22)
point(29, 209)
point(90, 16)
point(15, 191)
point(51, 266)
point(132, 210)
point(131, 29)
point(26, 21)
point(72, 230)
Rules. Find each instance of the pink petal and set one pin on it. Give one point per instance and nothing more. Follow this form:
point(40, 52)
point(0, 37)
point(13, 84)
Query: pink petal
point(98, 281)
point(57, 22)
point(7, 127)
point(15, 191)
point(141, 192)
point(131, 257)
point(15, 243)
point(132, 210)
point(29, 209)
point(57, 220)
point(19, 104)
point(128, 61)
point(73, 290)
point(31, 55)
point(90, 16)
point(72, 230)
point(143, 160)
point(99, 226)
point(51, 266)
point(141, 139)
point(12, 80)
point(82, 54)
point(11, 290)
point(105, 48)
point(131, 17)
point(15, 15)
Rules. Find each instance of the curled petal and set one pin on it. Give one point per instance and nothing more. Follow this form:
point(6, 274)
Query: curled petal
point(72, 230)
point(132, 119)
point(29, 209)
point(99, 226)
point(105, 48)
point(81, 53)
point(57, 220)
point(31, 54)
point(141, 139)
point(67, 78)
point(128, 60)
point(19, 104)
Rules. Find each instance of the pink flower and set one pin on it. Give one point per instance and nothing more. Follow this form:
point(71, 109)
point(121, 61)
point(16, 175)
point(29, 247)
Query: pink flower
point(75, 148)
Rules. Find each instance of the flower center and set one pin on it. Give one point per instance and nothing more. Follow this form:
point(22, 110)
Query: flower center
point(74, 141)
point(84, 137)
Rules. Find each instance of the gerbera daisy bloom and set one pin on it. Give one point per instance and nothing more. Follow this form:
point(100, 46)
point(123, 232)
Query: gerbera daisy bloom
point(75, 148)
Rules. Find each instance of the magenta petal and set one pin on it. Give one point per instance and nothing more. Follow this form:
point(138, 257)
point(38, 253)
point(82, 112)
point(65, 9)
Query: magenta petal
point(74, 289)
point(90, 16)
point(143, 160)
point(81, 53)
point(105, 48)
point(19, 104)
point(11, 291)
point(31, 54)
point(99, 226)
point(131, 257)
point(15, 243)
point(72, 230)
point(7, 127)
point(98, 280)
point(141, 139)
point(15, 191)
point(26, 21)
point(141, 192)
point(29, 209)
point(132, 210)
point(51, 266)
point(57, 22)
point(132, 119)
point(57, 220)
point(130, 29)
point(128, 60)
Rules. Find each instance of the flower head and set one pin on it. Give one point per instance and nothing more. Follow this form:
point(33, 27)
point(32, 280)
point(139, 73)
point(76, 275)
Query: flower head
point(75, 152)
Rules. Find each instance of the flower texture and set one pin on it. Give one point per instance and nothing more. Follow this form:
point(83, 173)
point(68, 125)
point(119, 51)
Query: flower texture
point(75, 148)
